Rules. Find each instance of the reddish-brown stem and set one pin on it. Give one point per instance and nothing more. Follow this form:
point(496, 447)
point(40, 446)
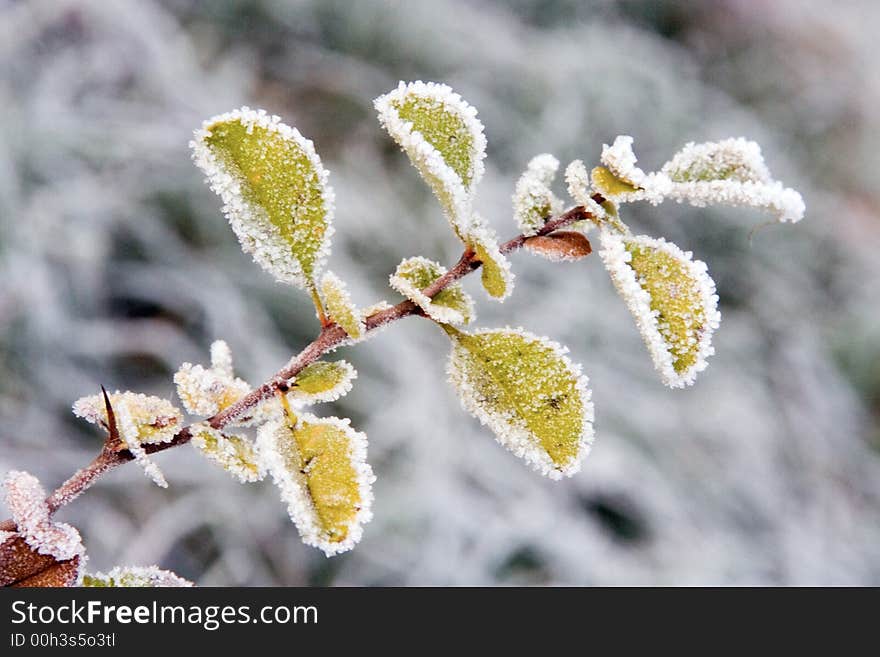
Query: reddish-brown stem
point(330, 337)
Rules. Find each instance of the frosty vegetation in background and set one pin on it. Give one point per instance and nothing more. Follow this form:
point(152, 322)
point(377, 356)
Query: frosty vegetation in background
point(523, 387)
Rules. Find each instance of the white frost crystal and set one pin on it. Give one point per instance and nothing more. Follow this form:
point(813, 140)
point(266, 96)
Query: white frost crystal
point(533, 198)
point(729, 172)
point(234, 453)
point(526, 390)
point(452, 305)
point(207, 391)
point(672, 299)
point(784, 203)
point(274, 190)
point(621, 161)
point(26, 500)
point(320, 467)
point(444, 140)
point(135, 576)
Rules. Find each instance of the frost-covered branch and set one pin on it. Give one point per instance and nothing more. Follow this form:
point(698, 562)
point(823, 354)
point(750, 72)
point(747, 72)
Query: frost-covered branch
point(330, 338)
point(523, 387)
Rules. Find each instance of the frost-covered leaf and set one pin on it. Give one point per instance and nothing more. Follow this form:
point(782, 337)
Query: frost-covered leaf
point(533, 199)
point(528, 393)
point(26, 500)
point(620, 180)
point(452, 305)
point(234, 453)
point(620, 164)
point(444, 140)
point(140, 420)
point(322, 381)
point(319, 464)
point(21, 566)
point(207, 391)
point(129, 432)
point(577, 178)
point(784, 203)
point(730, 172)
point(496, 275)
point(274, 190)
point(155, 420)
point(672, 299)
point(19, 561)
point(561, 246)
point(340, 307)
point(135, 577)
point(730, 159)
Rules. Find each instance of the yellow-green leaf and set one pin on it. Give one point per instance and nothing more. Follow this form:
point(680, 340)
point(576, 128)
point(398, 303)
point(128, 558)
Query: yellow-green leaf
point(672, 299)
point(452, 305)
point(319, 465)
point(274, 190)
point(443, 139)
point(340, 307)
point(528, 393)
point(496, 276)
point(322, 382)
point(607, 184)
point(235, 454)
point(151, 419)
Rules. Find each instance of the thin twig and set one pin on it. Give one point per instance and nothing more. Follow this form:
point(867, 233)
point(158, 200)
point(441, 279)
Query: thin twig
point(330, 337)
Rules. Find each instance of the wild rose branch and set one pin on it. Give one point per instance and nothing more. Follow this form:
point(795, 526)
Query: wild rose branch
point(523, 387)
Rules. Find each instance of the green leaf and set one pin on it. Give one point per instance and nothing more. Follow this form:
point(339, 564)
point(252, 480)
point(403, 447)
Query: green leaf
point(322, 382)
point(452, 305)
point(444, 141)
point(496, 276)
point(135, 577)
point(233, 453)
point(319, 465)
point(340, 307)
point(607, 184)
point(672, 299)
point(274, 190)
point(528, 393)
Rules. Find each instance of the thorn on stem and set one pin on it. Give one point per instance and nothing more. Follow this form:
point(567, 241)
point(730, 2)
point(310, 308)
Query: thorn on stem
point(113, 441)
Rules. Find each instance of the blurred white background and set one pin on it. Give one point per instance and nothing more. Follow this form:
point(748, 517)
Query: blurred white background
point(116, 265)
